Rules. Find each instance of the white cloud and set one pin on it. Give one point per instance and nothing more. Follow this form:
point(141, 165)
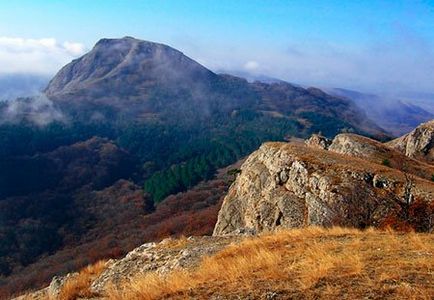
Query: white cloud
point(37, 56)
point(251, 65)
point(37, 109)
point(74, 48)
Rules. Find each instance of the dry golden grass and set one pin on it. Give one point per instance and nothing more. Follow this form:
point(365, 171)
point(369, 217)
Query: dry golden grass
point(79, 286)
point(307, 263)
point(174, 243)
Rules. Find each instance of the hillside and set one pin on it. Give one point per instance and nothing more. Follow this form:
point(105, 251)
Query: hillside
point(119, 131)
point(126, 146)
point(311, 262)
point(113, 222)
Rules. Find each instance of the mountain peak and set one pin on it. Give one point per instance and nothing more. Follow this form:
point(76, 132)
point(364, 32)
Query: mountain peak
point(127, 41)
point(112, 41)
point(122, 67)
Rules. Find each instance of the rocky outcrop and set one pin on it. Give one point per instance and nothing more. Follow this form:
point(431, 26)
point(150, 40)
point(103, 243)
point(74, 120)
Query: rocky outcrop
point(293, 185)
point(419, 143)
point(318, 141)
point(160, 258)
point(57, 283)
point(357, 146)
point(354, 145)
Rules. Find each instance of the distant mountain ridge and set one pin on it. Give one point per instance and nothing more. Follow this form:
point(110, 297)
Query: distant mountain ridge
point(396, 116)
point(145, 80)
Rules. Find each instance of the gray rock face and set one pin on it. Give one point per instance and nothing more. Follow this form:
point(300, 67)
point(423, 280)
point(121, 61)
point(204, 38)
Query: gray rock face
point(318, 141)
point(417, 144)
point(357, 146)
point(373, 151)
point(160, 258)
point(290, 185)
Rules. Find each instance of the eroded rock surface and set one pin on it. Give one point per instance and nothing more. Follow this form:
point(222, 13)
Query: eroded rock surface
point(419, 143)
point(293, 185)
point(318, 141)
point(354, 145)
point(160, 258)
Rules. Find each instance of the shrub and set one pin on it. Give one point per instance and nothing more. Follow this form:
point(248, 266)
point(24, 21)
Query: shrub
point(386, 162)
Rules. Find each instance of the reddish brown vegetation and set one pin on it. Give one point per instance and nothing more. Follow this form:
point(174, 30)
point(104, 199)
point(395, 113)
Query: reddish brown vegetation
point(420, 217)
point(190, 213)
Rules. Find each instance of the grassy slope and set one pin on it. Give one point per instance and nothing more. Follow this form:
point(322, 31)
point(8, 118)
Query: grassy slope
point(307, 263)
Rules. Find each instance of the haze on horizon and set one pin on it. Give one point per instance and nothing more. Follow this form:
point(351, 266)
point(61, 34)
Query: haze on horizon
point(371, 46)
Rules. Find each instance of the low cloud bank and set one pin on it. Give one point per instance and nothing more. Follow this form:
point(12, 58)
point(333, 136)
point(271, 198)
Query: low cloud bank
point(36, 56)
point(38, 110)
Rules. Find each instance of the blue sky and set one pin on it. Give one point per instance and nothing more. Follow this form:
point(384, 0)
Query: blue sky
point(368, 45)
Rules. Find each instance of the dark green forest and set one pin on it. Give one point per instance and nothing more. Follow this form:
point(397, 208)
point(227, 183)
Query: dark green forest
point(168, 158)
